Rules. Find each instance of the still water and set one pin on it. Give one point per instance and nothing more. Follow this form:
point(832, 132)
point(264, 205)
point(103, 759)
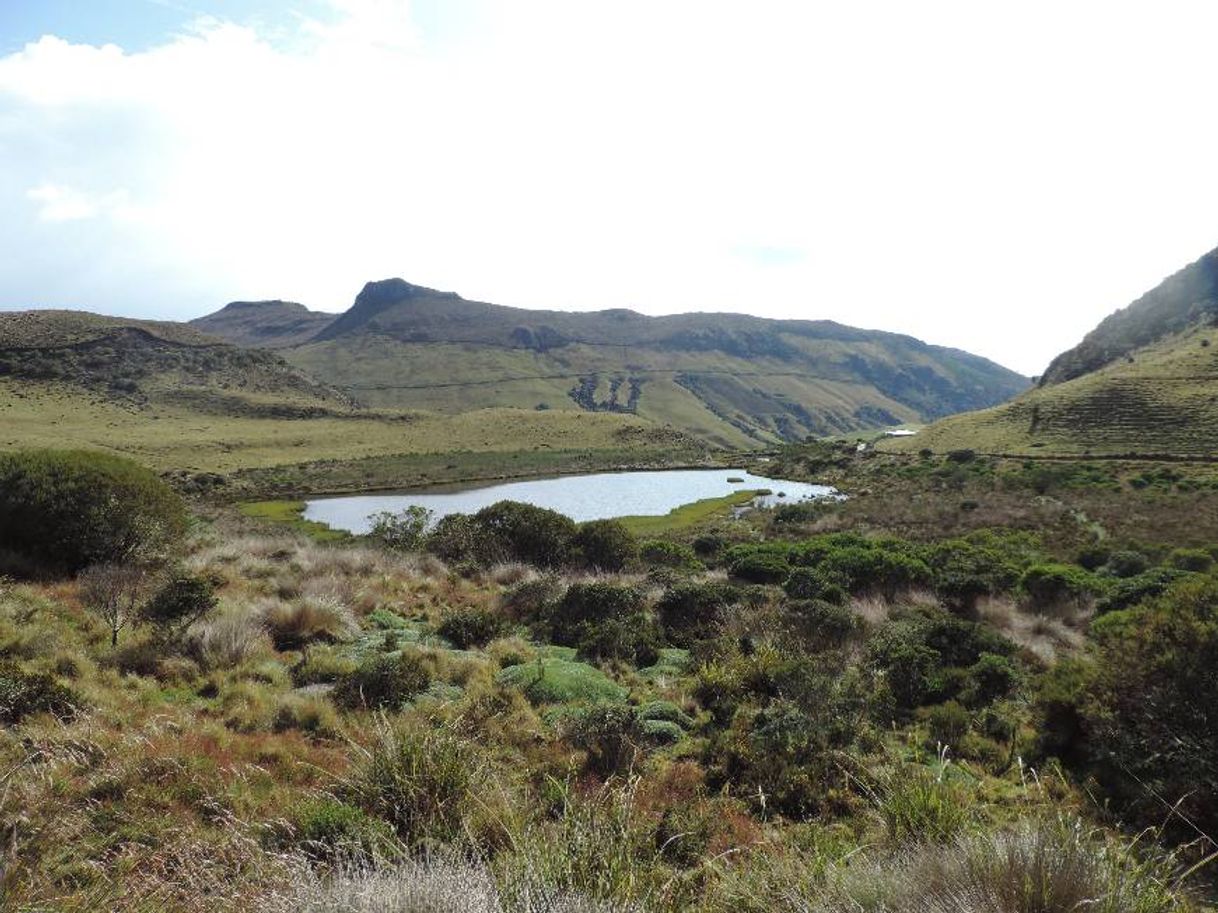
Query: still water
point(581, 497)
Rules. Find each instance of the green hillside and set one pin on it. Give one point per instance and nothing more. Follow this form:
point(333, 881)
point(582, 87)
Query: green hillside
point(183, 402)
point(1144, 383)
point(264, 324)
point(730, 379)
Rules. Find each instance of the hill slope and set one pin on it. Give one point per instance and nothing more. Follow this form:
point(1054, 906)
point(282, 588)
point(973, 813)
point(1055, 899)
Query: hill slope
point(731, 379)
point(264, 324)
point(189, 404)
point(1144, 382)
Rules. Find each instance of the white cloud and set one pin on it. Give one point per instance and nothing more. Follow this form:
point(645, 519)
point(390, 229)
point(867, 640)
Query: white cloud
point(991, 176)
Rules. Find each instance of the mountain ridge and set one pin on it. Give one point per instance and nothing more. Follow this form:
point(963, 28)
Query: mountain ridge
point(734, 379)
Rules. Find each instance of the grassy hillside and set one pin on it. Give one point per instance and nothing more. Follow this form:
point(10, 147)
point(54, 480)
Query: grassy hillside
point(180, 401)
point(1161, 400)
point(138, 363)
point(730, 379)
point(264, 324)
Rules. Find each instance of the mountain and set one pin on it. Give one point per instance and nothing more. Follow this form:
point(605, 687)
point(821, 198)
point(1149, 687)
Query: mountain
point(731, 379)
point(1142, 383)
point(264, 324)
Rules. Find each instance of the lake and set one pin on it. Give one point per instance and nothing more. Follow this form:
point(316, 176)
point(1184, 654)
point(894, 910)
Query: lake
point(598, 496)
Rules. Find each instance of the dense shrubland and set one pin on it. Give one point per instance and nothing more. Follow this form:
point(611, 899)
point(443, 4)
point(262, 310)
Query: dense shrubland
point(512, 712)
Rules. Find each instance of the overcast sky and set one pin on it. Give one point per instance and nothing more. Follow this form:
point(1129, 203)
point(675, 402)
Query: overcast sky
point(993, 176)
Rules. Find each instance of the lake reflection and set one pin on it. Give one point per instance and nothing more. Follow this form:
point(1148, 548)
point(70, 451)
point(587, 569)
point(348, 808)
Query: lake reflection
point(598, 496)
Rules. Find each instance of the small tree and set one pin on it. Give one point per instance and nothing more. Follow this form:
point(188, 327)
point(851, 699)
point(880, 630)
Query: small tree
point(180, 602)
point(606, 544)
point(114, 592)
point(403, 531)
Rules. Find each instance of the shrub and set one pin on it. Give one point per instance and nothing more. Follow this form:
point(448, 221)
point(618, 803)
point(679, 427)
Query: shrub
point(66, 510)
point(990, 678)
point(422, 781)
point(586, 605)
point(814, 583)
point(1145, 707)
point(510, 530)
point(876, 569)
point(610, 734)
point(1053, 586)
point(947, 723)
point(530, 600)
point(689, 612)
point(825, 624)
point(455, 538)
point(180, 602)
point(708, 545)
point(471, 627)
point(1132, 591)
point(761, 567)
point(24, 694)
point(1191, 559)
point(1127, 563)
point(384, 681)
point(606, 545)
point(662, 553)
point(403, 531)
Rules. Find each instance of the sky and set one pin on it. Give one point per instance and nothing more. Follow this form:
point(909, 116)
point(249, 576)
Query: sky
point(992, 176)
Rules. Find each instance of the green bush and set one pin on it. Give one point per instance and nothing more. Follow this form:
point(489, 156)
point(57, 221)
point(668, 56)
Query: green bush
point(689, 612)
point(1197, 560)
point(531, 600)
point(471, 627)
point(1132, 591)
point(606, 545)
point(814, 583)
point(511, 530)
point(1127, 563)
point(876, 569)
point(586, 605)
point(384, 681)
point(181, 601)
point(823, 624)
point(1053, 586)
point(611, 735)
point(24, 694)
point(662, 553)
point(947, 723)
point(404, 531)
point(760, 567)
point(455, 538)
point(1143, 710)
point(990, 678)
point(67, 509)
